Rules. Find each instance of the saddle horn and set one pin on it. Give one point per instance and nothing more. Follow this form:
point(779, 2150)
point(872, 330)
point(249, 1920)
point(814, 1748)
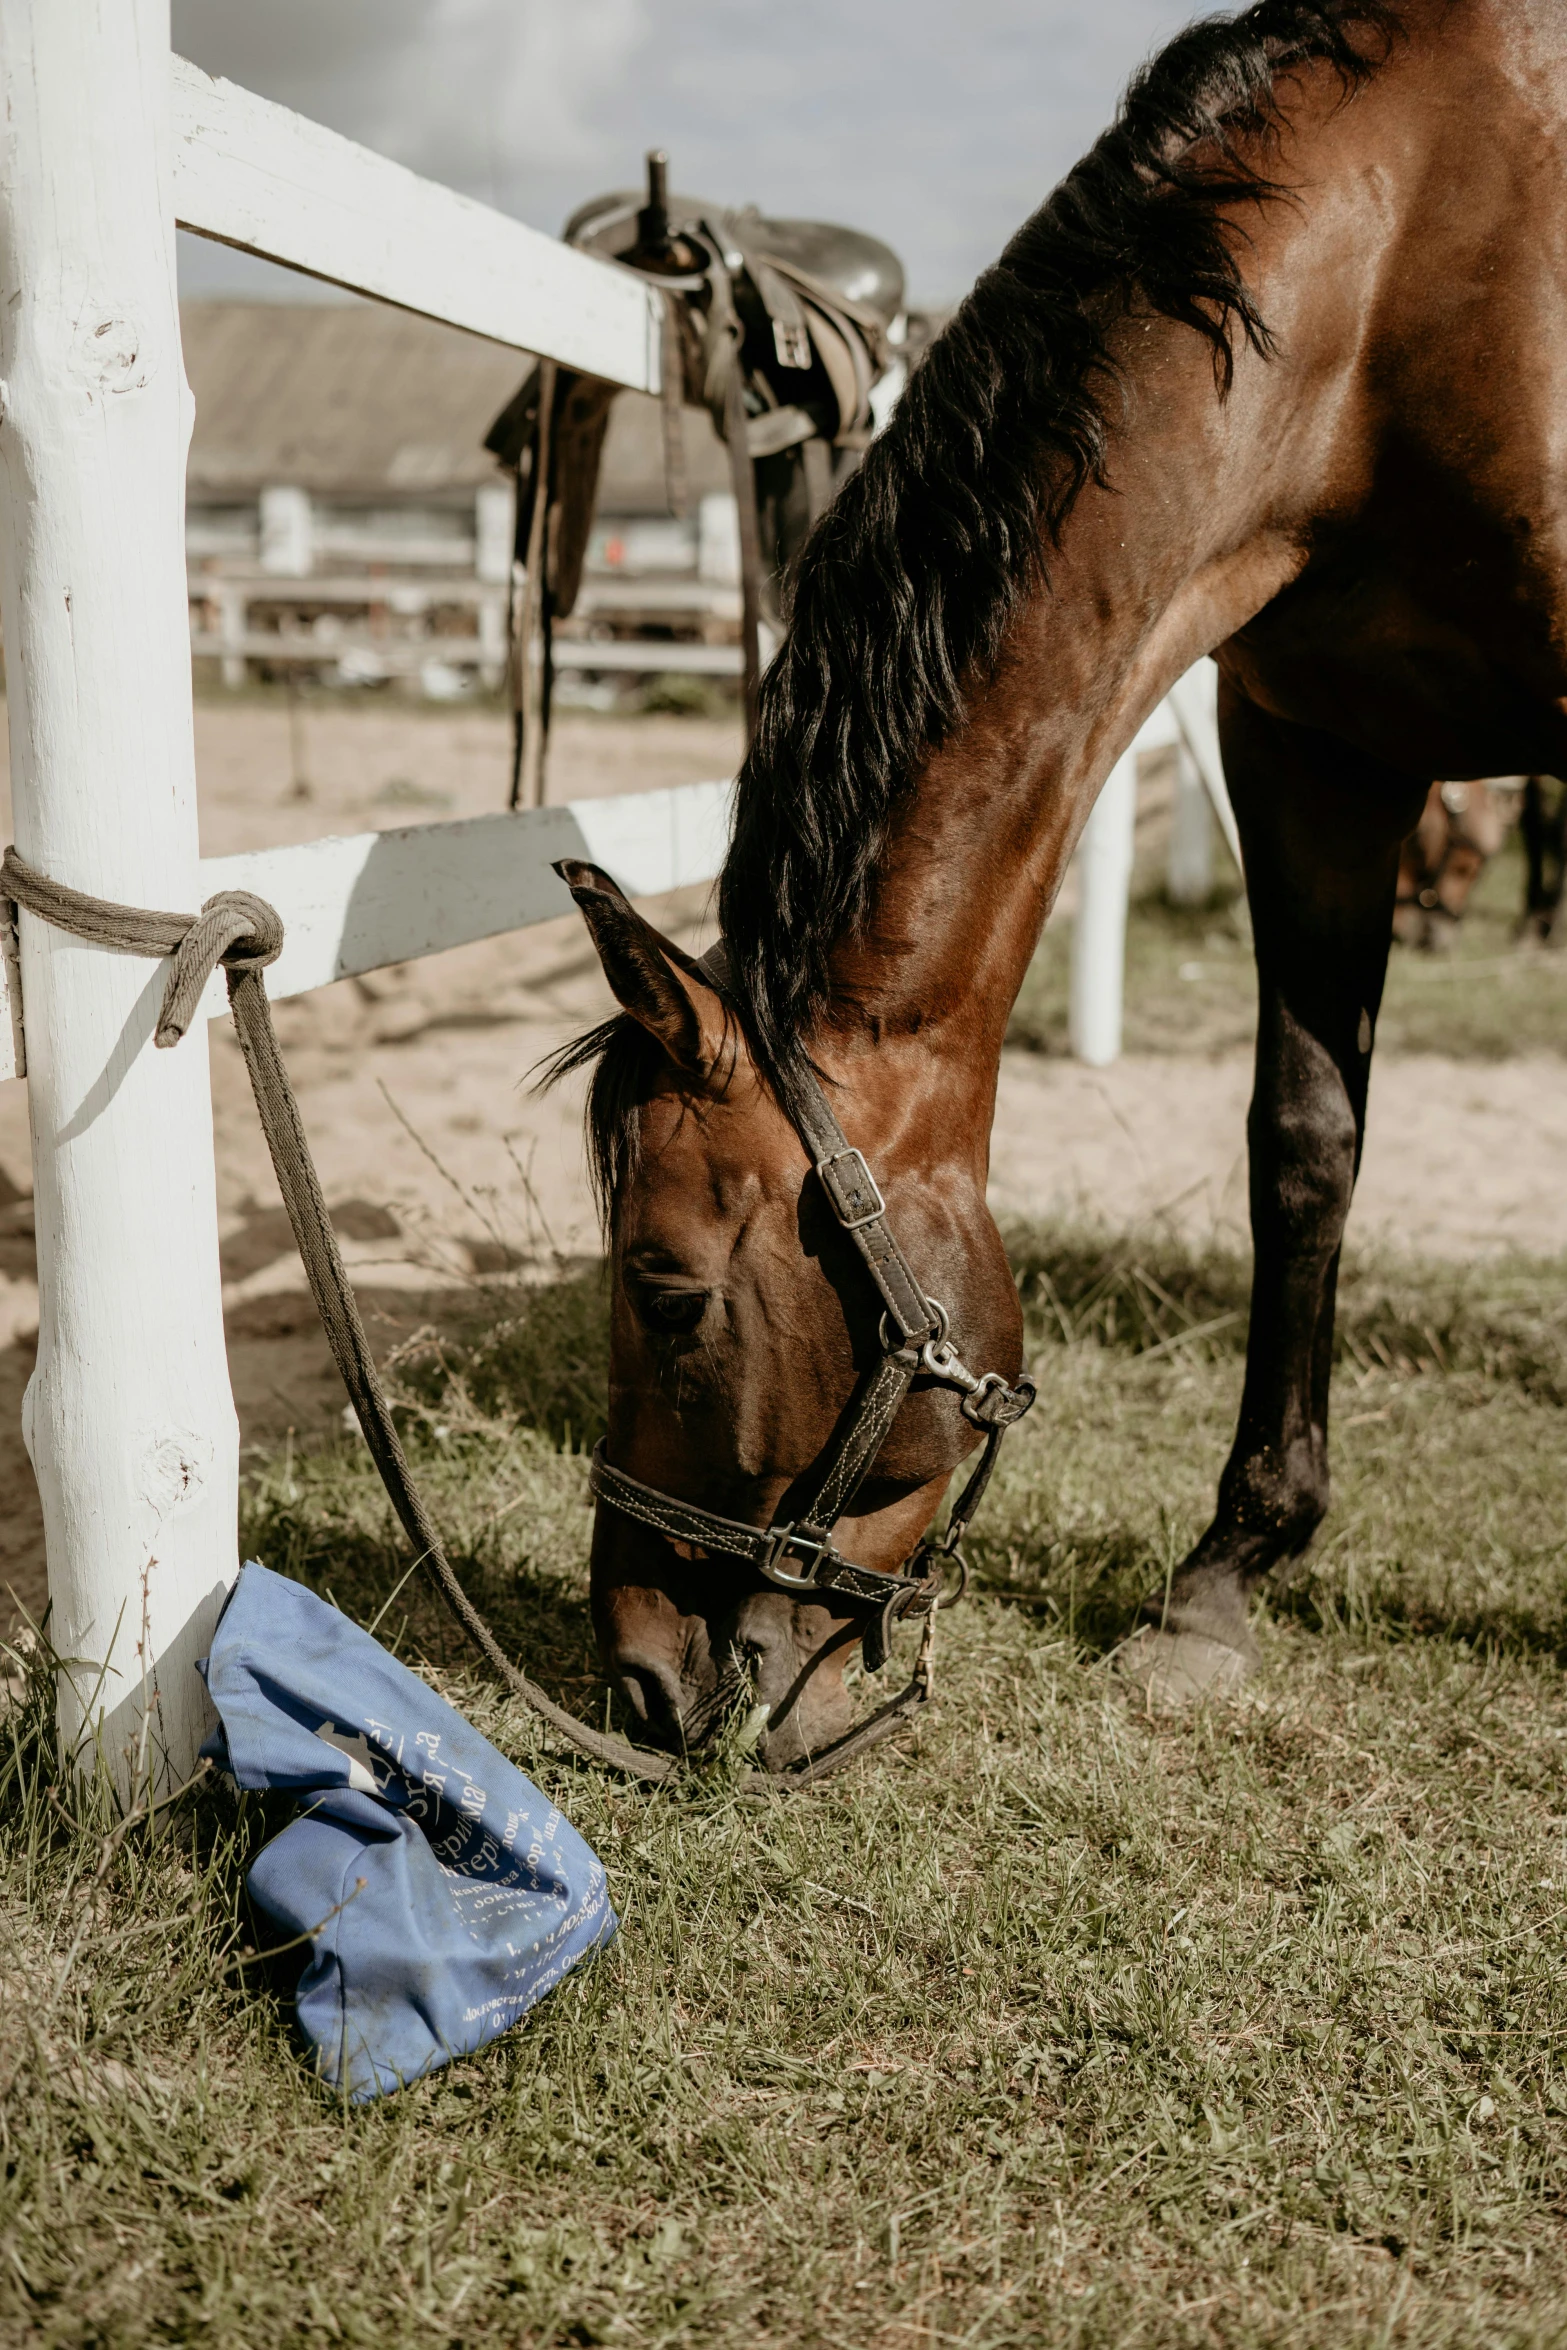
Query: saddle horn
point(653, 219)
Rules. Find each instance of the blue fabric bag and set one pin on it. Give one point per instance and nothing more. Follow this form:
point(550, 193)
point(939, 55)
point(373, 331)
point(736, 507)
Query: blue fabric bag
point(441, 1893)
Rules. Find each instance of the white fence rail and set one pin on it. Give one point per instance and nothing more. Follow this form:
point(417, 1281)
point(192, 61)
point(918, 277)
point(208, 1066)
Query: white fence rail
point(252, 174)
point(354, 903)
point(359, 901)
point(374, 898)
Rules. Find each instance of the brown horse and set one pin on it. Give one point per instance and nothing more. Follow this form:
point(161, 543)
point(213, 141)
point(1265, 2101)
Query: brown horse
point(1279, 370)
point(1461, 828)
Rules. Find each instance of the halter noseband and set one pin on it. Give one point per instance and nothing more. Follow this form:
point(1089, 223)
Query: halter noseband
point(915, 1341)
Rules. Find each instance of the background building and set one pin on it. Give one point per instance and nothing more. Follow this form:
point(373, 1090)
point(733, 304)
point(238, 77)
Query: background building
point(344, 518)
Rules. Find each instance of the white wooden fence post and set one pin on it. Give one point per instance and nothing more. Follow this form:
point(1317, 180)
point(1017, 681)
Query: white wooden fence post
point(1190, 868)
point(1194, 702)
point(1104, 874)
point(128, 1416)
point(288, 530)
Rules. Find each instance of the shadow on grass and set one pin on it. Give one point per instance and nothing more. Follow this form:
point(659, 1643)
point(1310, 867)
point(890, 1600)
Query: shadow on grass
point(494, 1403)
point(1151, 1292)
point(497, 1404)
point(1443, 1528)
point(1384, 1611)
point(1089, 1586)
point(324, 1521)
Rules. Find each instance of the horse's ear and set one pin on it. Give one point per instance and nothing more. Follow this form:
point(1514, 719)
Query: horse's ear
point(652, 979)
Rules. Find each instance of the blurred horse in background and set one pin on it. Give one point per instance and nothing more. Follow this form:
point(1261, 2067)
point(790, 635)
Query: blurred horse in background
point(1543, 824)
point(1462, 826)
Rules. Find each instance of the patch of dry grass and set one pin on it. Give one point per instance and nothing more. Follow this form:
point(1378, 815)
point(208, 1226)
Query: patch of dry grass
point(1058, 2025)
point(1191, 986)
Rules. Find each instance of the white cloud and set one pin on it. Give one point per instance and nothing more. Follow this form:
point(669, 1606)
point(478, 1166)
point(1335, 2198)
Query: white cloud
point(509, 94)
point(940, 127)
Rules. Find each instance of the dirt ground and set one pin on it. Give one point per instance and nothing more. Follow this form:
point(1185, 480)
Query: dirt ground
point(444, 1168)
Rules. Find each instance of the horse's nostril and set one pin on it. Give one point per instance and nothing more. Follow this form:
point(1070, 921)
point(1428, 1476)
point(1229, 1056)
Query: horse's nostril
point(654, 1696)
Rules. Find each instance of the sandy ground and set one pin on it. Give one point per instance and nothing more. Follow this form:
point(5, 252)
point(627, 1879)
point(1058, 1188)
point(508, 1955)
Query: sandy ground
point(443, 1167)
point(1462, 1157)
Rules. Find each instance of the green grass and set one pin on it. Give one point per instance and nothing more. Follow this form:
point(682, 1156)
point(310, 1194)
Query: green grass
point(1190, 984)
point(1053, 2024)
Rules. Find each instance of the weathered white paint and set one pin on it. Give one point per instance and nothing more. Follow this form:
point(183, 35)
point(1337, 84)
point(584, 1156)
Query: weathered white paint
point(13, 1045)
point(128, 1416)
point(254, 175)
point(359, 902)
point(1104, 876)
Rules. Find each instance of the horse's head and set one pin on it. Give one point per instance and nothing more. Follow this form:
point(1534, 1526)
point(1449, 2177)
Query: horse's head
point(743, 1321)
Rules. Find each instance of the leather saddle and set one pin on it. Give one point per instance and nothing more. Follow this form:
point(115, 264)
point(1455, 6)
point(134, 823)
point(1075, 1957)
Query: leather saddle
point(781, 329)
point(816, 303)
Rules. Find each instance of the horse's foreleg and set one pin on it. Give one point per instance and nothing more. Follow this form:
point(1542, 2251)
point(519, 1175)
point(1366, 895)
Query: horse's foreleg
point(1320, 828)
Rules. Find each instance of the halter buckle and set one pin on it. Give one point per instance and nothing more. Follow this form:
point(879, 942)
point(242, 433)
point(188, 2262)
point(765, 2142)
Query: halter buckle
point(800, 1540)
point(846, 1191)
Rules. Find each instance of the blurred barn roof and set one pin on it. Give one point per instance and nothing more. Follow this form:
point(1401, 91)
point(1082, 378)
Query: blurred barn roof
point(354, 400)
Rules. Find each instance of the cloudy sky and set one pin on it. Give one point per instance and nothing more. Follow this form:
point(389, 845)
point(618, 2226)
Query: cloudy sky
point(938, 124)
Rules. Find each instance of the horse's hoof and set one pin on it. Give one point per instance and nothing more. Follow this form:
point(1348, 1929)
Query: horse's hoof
point(1168, 1670)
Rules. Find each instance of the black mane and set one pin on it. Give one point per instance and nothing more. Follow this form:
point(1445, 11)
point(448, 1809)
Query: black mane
point(903, 595)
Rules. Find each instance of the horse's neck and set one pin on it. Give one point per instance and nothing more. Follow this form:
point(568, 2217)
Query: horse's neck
point(1149, 574)
point(1210, 511)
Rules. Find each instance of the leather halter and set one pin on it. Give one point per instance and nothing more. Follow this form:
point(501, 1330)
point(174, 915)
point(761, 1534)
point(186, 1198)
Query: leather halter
point(800, 1557)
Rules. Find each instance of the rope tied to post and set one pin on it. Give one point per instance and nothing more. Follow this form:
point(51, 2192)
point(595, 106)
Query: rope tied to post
point(235, 929)
point(241, 934)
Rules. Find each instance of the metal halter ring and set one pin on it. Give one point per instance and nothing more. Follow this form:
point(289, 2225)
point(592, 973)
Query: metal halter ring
point(939, 1552)
point(890, 1342)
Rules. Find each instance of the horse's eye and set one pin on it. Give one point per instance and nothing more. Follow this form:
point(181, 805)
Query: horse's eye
point(670, 1312)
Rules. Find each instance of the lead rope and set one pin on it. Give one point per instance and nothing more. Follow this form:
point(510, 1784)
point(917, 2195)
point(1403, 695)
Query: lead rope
point(243, 934)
